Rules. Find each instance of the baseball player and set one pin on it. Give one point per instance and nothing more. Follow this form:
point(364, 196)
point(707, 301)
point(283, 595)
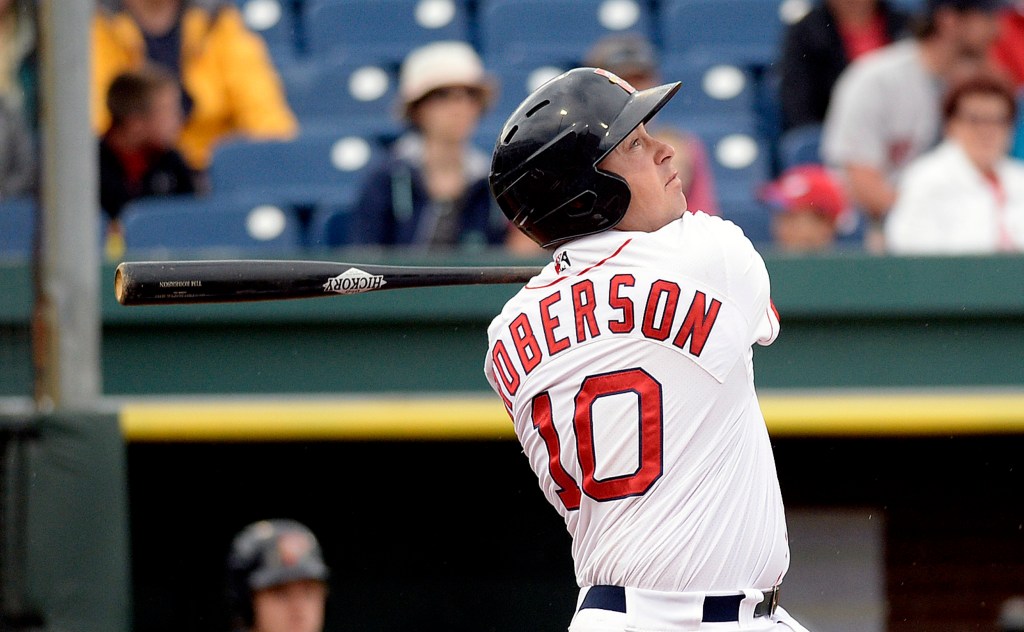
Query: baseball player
point(277, 579)
point(625, 365)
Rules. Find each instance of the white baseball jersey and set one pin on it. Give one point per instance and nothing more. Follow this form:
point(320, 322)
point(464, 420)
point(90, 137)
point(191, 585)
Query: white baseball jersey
point(626, 366)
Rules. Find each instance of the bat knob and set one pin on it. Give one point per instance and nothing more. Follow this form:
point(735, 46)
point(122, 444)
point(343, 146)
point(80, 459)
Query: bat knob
point(119, 284)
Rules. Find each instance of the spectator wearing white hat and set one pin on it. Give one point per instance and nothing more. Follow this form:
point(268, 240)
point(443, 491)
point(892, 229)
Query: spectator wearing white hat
point(431, 191)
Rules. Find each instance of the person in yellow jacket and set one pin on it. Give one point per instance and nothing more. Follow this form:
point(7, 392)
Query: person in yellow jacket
point(230, 84)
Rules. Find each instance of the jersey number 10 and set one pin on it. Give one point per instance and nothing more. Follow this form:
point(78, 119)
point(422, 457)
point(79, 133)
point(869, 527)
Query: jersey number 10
point(648, 393)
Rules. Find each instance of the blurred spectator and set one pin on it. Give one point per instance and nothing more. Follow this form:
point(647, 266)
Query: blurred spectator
point(818, 47)
point(230, 85)
point(885, 107)
point(17, 154)
point(1011, 615)
point(276, 579)
point(431, 190)
point(137, 155)
point(633, 58)
point(1018, 142)
point(965, 196)
point(1008, 50)
point(18, 66)
point(807, 201)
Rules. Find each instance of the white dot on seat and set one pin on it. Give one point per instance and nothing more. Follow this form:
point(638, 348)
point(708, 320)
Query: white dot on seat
point(368, 83)
point(792, 11)
point(617, 15)
point(350, 153)
point(540, 76)
point(736, 151)
point(723, 82)
point(265, 222)
point(434, 14)
point(261, 15)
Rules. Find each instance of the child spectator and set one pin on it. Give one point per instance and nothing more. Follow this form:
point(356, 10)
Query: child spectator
point(966, 196)
point(885, 107)
point(229, 83)
point(633, 58)
point(807, 202)
point(17, 154)
point(431, 191)
point(137, 155)
point(818, 47)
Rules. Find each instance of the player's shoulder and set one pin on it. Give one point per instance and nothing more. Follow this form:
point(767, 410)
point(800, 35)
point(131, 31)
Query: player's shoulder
point(699, 228)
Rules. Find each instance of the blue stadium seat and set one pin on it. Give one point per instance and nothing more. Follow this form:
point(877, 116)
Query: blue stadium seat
point(18, 222)
point(753, 216)
point(361, 95)
point(910, 6)
point(277, 22)
point(379, 31)
point(518, 80)
point(740, 158)
point(236, 223)
point(800, 145)
point(330, 226)
point(748, 32)
point(711, 88)
point(515, 30)
point(321, 165)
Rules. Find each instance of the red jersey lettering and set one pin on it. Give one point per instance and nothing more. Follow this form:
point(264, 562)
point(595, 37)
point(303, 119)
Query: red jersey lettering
point(622, 303)
point(525, 342)
point(584, 303)
point(698, 323)
point(661, 329)
point(550, 323)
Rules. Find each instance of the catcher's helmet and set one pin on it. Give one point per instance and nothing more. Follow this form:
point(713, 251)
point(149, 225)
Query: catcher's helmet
point(544, 171)
point(269, 553)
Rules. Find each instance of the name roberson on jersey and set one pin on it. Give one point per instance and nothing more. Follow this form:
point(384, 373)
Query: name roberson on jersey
point(631, 351)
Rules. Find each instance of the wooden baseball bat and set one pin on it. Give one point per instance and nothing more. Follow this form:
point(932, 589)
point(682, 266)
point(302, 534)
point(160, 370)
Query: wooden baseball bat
point(234, 281)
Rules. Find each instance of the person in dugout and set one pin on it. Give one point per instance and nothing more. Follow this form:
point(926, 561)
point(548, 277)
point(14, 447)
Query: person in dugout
point(277, 580)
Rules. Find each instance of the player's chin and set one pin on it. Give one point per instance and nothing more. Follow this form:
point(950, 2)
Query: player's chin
point(679, 205)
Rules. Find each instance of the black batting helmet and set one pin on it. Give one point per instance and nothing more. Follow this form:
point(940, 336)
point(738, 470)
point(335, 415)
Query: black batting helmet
point(544, 171)
point(270, 553)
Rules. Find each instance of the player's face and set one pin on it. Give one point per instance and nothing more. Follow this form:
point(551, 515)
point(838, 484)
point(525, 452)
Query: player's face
point(983, 127)
point(656, 192)
point(292, 607)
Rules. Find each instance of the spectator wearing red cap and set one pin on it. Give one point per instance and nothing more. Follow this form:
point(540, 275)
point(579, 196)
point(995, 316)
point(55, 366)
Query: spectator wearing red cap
point(967, 195)
point(808, 202)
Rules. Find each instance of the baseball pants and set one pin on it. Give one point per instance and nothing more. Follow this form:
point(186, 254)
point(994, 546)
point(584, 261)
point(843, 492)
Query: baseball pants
point(657, 611)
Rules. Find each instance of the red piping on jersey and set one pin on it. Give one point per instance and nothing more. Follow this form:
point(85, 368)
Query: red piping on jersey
point(599, 263)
